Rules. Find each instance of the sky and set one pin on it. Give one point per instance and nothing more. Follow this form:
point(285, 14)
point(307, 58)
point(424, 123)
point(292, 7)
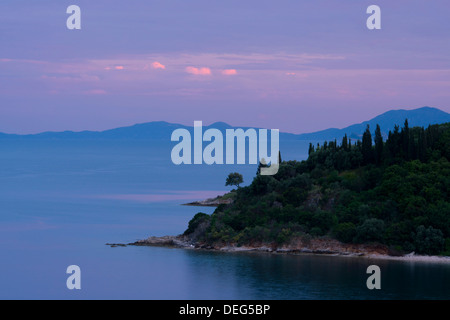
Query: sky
point(298, 66)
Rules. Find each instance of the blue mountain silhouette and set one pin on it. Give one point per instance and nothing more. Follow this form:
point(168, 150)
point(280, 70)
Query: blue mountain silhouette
point(158, 130)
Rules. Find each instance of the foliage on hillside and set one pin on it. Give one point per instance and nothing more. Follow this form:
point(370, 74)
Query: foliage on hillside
point(393, 192)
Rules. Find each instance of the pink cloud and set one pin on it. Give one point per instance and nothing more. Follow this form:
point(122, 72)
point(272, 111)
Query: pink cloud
point(70, 78)
point(198, 71)
point(229, 72)
point(157, 65)
point(119, 67)
point(95, 92)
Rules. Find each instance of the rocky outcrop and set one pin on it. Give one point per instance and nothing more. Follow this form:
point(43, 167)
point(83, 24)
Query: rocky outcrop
point(297, 246)
point(114, 245)
point(212, 202)
point(209, 202)
point(165, 241)
point(322, 246)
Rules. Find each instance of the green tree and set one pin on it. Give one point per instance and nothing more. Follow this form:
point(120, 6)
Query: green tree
point(366, 148)
point(198, 219)
point(429, 240)
point(345, 232)
point(405, 141)
point(371, 230)
point(344, 143)
point(311, 149)
point(378, 145)
point(234, 179)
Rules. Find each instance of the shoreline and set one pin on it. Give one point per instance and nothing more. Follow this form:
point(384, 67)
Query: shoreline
point(225, 199)
point(319, 247)
point(213, 202)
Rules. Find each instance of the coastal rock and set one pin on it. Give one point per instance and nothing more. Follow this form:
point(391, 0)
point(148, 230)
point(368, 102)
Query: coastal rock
point(156, 241)
point(114, 245)
point(212, 202)
point(283, 250)
point(322, 246)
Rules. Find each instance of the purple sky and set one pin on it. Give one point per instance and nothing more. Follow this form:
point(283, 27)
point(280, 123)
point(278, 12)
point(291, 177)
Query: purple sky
point(298, 66)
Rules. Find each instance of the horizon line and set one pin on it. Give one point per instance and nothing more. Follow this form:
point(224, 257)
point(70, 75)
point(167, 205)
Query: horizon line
point(211, 124)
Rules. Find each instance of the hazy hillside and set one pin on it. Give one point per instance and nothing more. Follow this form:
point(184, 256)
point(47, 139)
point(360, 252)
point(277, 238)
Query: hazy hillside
point(162, 130)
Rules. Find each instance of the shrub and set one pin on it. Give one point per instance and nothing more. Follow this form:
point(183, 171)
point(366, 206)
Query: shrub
point(316, 231)
point(198, 219)
point(429, 240)
point(447, 247)
point(284, 235)
point(345, 232)
point(371, 230)
point(323, 220)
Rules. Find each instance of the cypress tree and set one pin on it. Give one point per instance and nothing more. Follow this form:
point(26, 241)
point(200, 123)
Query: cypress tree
point(378, 145)
point(344, 143)
point(405, 141)
point(424, 145)
point(366, 148)
point(311, 149)
point(395, 146)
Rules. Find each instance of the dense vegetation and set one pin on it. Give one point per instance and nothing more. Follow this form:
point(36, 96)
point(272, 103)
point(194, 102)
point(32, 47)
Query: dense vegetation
point(393, 192)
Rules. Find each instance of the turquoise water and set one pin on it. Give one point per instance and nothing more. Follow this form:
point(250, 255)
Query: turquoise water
point(61, 202)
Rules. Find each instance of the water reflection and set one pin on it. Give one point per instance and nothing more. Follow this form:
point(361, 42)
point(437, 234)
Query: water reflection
point(268, 276)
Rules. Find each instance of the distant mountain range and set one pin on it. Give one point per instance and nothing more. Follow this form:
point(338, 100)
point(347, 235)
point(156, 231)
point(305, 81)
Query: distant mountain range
point(421, 117)
point(162, 130)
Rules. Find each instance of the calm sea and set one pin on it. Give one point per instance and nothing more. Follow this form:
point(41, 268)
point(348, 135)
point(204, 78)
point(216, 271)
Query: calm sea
point(60, 202)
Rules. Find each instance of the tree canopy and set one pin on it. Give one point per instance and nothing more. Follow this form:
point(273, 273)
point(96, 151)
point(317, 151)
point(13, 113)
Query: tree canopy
point(234, 179)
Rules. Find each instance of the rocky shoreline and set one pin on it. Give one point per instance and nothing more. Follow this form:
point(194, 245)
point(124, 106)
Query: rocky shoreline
point(213, 202)
point(320, 246)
